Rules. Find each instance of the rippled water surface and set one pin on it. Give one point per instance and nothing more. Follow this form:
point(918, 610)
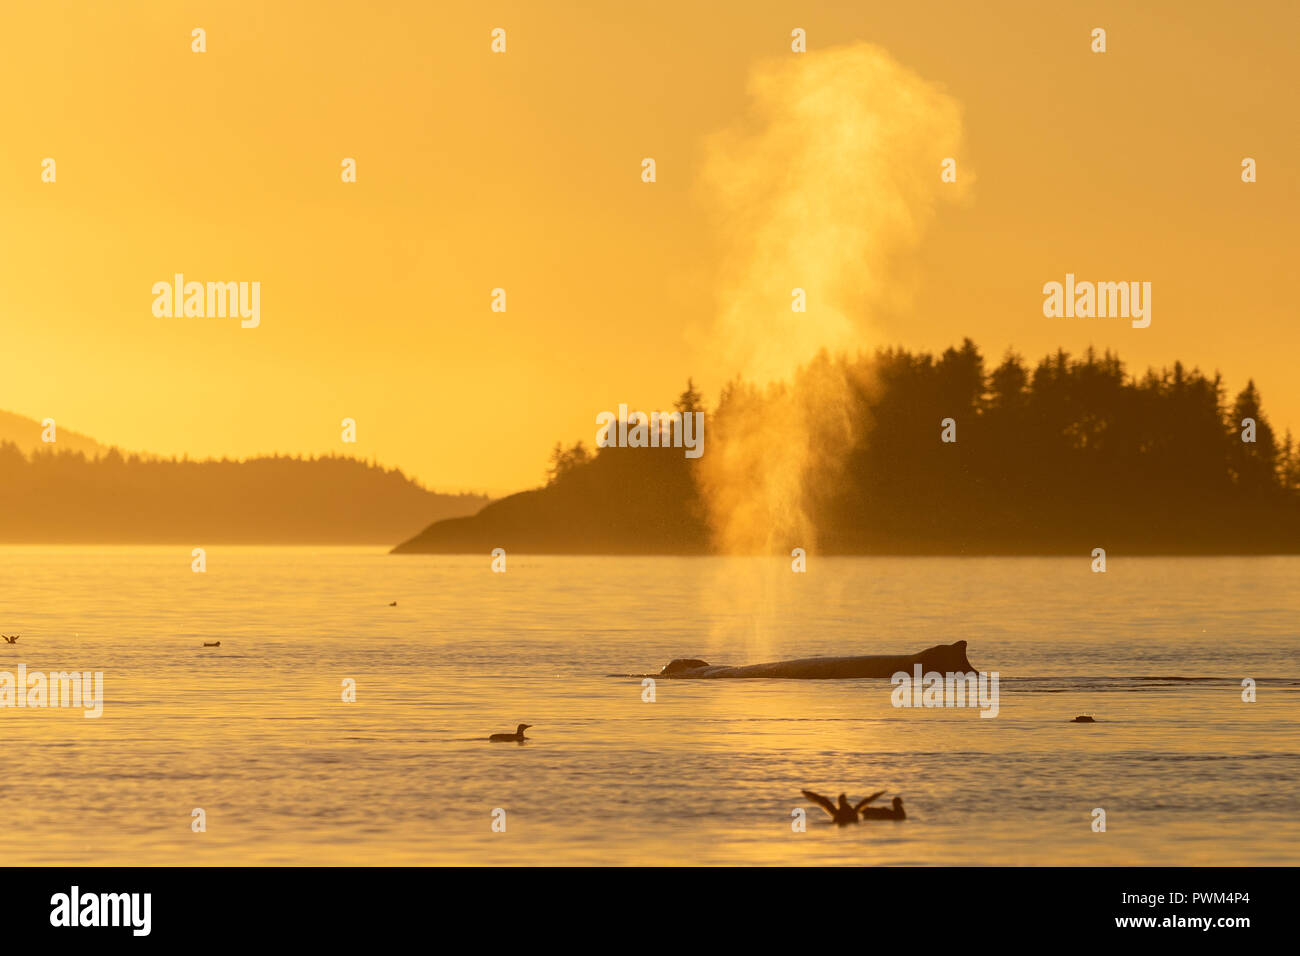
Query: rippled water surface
point(256, 733)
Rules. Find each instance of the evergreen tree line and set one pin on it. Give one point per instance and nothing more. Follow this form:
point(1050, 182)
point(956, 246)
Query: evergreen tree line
point(1065, 456)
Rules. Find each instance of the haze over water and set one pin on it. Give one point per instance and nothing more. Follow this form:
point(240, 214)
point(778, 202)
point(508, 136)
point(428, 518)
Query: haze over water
point(256, 734)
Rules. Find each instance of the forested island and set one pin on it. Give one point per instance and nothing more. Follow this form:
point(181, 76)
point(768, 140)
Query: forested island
point(1060, 457)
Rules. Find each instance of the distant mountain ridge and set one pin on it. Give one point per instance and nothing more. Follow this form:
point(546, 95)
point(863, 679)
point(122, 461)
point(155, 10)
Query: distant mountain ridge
point(26, 434)
point(77, 491)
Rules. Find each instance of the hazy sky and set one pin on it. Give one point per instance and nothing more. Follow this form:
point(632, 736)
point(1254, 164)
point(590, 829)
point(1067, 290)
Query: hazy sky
point(523, 171)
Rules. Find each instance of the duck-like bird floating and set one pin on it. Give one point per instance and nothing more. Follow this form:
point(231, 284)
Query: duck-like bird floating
point(518, 735)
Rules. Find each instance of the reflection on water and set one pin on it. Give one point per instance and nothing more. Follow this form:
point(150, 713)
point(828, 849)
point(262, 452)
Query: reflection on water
point(257, 735)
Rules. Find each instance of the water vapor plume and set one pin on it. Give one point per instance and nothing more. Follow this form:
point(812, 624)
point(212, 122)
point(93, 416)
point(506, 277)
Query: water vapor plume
point(826, 186)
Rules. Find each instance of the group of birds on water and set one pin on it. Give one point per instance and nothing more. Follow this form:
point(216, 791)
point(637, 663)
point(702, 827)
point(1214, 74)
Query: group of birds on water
point(841, 813)
point(214, 643)
point(844, 813)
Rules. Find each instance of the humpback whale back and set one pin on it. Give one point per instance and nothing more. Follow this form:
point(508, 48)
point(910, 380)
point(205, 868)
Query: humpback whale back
point(681, 665)
point(942, 657)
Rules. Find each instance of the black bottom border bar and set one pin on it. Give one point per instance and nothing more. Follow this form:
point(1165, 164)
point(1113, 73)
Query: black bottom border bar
point(333, 905)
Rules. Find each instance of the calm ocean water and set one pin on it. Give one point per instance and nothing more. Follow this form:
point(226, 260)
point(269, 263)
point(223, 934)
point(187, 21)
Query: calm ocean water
point(256, 734)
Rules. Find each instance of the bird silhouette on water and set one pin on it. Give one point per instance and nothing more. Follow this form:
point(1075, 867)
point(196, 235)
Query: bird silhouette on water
point(11, 640)
point(846, 812)
point(881, 813)
point(517, 735)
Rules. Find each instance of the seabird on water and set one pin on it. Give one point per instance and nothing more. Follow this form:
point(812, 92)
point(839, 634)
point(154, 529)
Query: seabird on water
point(517, 735)
point(880, 813)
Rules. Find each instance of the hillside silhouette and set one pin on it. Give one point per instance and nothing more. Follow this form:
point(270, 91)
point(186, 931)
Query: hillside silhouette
point(1062, 457)
point(64, 496)
point(26, 434)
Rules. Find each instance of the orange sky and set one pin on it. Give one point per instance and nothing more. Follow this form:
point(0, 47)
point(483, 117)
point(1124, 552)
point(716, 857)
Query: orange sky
point(523, 171)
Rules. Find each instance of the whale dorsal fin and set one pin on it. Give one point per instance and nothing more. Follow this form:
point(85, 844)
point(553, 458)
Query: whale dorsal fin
point(680, 664)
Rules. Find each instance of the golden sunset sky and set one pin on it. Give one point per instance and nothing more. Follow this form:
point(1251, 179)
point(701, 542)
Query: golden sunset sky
point(522, 171)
